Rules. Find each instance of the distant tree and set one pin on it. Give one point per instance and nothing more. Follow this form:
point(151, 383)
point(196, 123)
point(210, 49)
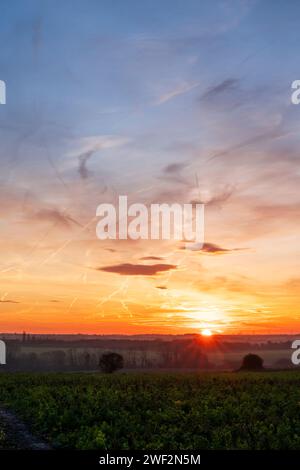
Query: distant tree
point(58, 359)
point(72, 359)
point(33, 361)
point(110, 362)
point(188, 354)
point(87, 360)
point(252, 362)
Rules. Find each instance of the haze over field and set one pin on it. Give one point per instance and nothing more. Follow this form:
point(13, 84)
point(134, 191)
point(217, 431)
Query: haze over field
point(28, 352)
point(128, 99)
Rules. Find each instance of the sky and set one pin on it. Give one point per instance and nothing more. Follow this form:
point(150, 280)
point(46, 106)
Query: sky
point(172, 101)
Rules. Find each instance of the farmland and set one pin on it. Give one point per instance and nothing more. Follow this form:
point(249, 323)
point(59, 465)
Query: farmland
point(158, 410)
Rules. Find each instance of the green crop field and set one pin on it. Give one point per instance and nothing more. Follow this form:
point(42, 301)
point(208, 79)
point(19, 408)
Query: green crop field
point(158, 411)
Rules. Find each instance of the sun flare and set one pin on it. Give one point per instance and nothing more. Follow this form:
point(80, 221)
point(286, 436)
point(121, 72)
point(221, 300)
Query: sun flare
point(206, 332)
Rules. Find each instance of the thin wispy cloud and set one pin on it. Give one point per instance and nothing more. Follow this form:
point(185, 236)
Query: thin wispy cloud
point(86, 147)
point(263, 138)
point(226, 86)
point(55, 216)
point(211, 248)
point(180, 89)
point(215, 199)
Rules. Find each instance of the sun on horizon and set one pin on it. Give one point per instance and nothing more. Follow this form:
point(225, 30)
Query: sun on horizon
point(206, 332)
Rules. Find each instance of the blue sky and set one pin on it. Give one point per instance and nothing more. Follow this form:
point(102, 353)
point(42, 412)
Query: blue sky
point(100, 66)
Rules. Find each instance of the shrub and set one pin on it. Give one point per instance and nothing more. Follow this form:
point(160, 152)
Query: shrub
point(110, 362)
point(252, 362)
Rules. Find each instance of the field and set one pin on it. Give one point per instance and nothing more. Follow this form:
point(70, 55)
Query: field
point(158, 411)
point(217, 358)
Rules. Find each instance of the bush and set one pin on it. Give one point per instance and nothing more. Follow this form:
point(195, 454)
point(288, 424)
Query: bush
point(110, 362)
point(252, 362)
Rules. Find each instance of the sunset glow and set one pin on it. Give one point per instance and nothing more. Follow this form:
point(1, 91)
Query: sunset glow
point(137, 113)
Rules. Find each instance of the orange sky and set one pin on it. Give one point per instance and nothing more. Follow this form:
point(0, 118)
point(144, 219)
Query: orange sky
point(54, 282)
point(192, 105)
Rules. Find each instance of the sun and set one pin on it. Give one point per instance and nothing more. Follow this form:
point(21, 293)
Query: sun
point(206, 332)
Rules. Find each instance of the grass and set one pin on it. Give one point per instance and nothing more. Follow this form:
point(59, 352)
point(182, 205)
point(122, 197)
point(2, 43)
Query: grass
point(159, 411)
